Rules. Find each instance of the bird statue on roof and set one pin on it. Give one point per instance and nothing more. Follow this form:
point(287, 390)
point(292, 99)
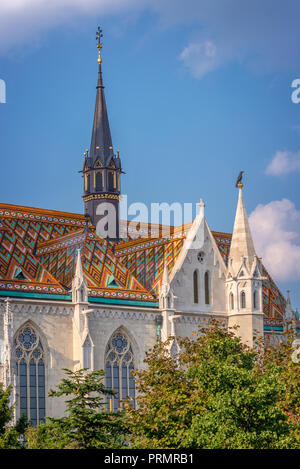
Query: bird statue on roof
point(239, 179)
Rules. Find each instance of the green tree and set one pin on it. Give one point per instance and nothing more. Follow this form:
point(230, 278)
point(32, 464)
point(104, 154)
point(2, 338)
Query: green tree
point(87, 424)
point(214, 395)
point(9, 434)
point(280, 355)
point(165, 403)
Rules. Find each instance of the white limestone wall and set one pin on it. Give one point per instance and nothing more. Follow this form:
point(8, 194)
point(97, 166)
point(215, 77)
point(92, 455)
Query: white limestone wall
point(54, 323)
point(188, 325)
point(139, 325)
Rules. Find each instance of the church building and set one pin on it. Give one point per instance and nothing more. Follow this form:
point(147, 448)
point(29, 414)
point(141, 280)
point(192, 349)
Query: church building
point(70, 298)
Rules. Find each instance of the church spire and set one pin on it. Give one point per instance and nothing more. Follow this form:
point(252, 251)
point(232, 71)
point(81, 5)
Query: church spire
point(241, 243)
point(102, 168)
point(101, 144)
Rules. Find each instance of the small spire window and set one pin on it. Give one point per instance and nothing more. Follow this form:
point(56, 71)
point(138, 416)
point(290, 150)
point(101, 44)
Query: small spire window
point(87, 183)
point(206, 286)
point(195, 282)
point(99, 181)
point(255, 299)
point(111, 185)
point(243, 299)
point(231, 301)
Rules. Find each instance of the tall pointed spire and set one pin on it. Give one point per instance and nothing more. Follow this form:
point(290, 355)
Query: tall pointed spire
point(241, 243)
point(102, 168)
point(101, 144)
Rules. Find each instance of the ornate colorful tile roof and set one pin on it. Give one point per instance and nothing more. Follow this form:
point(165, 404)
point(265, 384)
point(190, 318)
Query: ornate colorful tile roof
point(145, 257)
point(38, 250)
point(20, 270)
point(104, 273)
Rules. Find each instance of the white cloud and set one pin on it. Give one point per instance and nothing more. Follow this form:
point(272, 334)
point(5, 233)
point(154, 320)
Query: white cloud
point(275, 228)
point(21, 20)
point(262, 34)
point(284, 162)
point(200, 58)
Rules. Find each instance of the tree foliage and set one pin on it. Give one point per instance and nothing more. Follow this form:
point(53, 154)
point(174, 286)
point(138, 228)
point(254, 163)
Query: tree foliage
point(280, 355)
point(216, 393)
point(9, 434)
point(87, 424)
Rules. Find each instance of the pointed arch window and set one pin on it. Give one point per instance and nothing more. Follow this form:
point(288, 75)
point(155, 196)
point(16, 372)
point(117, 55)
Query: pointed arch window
point(206, 287)
point(195, 284)
point(243, 299)
point(231, 301)
point(119, 364)
point(30, 365)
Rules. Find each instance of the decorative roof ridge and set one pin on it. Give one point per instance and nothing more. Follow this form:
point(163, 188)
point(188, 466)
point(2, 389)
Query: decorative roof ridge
point(145, 223)
point(222, 233)
point(15, 284)
point(44, 211)
point(140, 241)
point(60, 239)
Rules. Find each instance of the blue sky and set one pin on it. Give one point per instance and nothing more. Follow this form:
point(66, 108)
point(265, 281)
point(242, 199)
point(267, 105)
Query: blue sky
point(196, 91)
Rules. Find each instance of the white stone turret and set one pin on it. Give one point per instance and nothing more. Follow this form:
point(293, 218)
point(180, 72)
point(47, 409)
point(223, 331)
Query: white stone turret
point(166, 305)
point(79, 286)
point(242, 247)
point(289, 315)
point(82, 342)
point(8, 341)
point(166, 297)
point(9, 356)
point(244, 280)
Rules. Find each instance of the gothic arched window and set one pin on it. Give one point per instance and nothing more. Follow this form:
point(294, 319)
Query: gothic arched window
point(243, 299)
point(206, 286)
point(231, 301)
point(30, 374)
point(119, 364)
point(195, 282)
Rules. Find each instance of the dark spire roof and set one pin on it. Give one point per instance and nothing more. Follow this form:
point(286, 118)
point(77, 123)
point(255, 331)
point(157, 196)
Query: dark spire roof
point(101, 136)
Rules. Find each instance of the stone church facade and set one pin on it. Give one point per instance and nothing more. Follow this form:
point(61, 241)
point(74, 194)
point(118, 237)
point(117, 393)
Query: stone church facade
point(70, 298)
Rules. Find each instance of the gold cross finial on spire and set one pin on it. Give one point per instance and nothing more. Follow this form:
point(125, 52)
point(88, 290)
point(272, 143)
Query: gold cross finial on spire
point(99, 35)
